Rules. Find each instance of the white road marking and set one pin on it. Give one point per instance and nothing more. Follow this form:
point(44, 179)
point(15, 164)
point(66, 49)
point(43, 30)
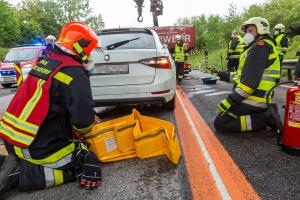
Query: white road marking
point(219, 182)
point(191, 94)
point(198, 87)
point(218, 93)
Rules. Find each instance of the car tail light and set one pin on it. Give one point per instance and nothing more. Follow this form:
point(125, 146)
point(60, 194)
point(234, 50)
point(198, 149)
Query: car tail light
point(161, 92)
point(157, 62)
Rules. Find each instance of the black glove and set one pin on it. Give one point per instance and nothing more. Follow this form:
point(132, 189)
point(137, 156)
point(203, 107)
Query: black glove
point(91, 172)
point(213, 70)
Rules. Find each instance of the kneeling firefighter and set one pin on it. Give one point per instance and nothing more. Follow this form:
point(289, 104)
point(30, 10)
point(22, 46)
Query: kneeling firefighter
point(259, 69)
point(53, 102)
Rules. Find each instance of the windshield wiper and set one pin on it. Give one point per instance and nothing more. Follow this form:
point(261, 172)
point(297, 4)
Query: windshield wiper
point(118, 44)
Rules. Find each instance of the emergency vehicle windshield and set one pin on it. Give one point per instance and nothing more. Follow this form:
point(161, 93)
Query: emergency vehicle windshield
point(20, 55)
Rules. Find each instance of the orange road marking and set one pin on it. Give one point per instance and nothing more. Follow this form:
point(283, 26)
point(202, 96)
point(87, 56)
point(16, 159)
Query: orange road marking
point(205, 156)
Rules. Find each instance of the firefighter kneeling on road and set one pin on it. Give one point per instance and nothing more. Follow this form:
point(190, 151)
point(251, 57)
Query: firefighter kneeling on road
point(179, 56)
point(259, 70)
point(52, 103)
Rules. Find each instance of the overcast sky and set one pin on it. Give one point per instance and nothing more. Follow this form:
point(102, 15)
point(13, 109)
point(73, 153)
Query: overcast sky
point(123, 12)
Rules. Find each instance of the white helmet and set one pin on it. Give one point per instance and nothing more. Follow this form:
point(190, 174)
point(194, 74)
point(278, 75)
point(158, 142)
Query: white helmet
point(50, 39)
point(262, 25)
point(279, 27)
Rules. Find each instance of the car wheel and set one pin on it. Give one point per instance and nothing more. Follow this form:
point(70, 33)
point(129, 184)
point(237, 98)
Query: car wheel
point(6, 85)
point(170, 105)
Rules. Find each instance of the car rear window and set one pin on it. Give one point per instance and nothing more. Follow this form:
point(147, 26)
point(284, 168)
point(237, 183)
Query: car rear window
point(23, 54)
point(144, 41)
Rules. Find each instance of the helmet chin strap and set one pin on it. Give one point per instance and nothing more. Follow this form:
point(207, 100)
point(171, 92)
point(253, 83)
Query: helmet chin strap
point(80, 52)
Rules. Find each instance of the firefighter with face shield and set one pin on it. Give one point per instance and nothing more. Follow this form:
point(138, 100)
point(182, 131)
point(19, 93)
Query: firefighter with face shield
point(179, 57)
point(52, 107)
point(259, 69)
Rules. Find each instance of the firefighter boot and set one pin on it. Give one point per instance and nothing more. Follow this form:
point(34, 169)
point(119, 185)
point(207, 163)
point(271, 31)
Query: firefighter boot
point(9, 176)
point(273, 119)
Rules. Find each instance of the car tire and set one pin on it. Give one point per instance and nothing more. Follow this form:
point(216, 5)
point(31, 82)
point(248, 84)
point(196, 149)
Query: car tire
point(6, 85)
point(170, 105)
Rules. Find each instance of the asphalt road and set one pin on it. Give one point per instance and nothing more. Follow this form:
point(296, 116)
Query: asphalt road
point(7, 91)
point(152, 178)
point(273, 174)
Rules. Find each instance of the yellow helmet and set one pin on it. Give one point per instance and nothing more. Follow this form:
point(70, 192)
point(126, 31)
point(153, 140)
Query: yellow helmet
point(262, 25)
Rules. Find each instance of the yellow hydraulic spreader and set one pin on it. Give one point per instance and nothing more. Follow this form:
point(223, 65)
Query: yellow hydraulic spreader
point(134, 135)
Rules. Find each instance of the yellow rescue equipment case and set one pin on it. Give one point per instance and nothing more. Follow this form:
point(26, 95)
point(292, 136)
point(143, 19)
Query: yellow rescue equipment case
point(134, 135)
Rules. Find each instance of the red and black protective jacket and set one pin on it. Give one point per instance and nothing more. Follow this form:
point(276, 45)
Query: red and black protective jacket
point(30, 106)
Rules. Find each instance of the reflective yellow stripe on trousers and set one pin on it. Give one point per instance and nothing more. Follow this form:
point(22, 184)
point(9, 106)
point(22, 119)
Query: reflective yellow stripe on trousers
point(56, 160)
point(53, 177)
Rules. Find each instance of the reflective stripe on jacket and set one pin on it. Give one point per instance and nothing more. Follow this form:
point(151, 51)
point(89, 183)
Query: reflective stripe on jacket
point(30, 105)
point(236, 53)
point(257, 97)
point(179, 53)
point(281, 50)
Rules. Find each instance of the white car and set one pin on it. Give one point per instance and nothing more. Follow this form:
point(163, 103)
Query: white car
point(132, 68)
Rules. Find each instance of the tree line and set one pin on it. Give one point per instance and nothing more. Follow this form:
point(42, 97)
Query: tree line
point(213, 32)
point(31, 19)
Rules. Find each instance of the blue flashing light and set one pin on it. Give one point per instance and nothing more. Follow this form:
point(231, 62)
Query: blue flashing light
point(37, 44)
point(8, 72)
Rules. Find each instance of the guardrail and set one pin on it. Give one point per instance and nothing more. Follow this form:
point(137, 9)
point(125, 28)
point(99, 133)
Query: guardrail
point(289, 65)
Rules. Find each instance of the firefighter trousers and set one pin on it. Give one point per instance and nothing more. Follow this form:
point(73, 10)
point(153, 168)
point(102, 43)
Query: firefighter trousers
point(36, 177)
point(232, 64)
point(249, 118)
point(179, 70)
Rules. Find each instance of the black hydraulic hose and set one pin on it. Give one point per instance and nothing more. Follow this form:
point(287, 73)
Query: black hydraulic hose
point(275, 87)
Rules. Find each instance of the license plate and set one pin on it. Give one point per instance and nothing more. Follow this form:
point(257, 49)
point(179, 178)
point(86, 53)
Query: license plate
point(110, 69)
point(8, 78)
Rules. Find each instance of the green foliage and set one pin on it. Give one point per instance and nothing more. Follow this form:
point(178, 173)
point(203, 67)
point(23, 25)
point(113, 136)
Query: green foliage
point(9, 26)
point(38, 18)
point(213, 32)
point(3, 52)
point(73, 10)
point(215, 58)
point(78, 10)
point(30, 30)
point(294, 43)
point(95, 22)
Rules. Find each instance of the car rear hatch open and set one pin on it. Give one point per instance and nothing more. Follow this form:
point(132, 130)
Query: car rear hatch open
point(118, 62)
